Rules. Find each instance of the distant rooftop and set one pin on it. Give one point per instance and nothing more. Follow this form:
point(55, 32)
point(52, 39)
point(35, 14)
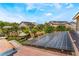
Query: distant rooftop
point(7, 27)
point(58, 22)
point(28, 23)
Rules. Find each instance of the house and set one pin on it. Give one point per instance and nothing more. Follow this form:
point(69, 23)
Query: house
point(57, 23)
point(76, 17)
point(24, 24)
point(73, 25)
point(22, 34)
point(13, 33)
point(5, 27)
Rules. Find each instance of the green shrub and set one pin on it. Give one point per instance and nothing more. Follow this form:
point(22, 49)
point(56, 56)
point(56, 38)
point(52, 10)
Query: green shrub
point(61, 28)
point(49, 29)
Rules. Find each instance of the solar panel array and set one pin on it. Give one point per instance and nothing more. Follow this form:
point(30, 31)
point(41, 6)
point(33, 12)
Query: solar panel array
point(58, 40)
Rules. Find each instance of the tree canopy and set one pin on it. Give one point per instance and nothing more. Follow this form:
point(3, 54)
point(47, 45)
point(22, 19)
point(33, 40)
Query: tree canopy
point(49, 29)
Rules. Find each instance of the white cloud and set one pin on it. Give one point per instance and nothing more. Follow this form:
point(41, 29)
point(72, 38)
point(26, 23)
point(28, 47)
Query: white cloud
point(59, 5)
point(9, 17)
point(31, 6)
point(48, 14)
point(69, 6)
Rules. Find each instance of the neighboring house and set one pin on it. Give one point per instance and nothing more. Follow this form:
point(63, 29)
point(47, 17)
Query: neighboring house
point(73, 25)
point(10, 32)
point(57, 23)
point(13, 33)
point(76, 17)
point(22, 34)
point(7, 27)
point(24, 24)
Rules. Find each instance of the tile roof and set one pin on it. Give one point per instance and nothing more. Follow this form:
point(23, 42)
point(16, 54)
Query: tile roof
point(5, 45)
point(32, 51)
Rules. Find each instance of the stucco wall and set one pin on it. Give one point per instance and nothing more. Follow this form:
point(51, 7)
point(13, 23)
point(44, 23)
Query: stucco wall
point(77, 25)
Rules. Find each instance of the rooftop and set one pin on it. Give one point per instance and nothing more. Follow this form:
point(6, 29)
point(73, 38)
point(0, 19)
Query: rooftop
point(59, 22)
point(5, 45)
point(32, 51)
point(7, 27)
point(28, 23)
point(77, 15)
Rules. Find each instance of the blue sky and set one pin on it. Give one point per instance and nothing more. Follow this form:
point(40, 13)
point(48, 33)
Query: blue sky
point(38, 12)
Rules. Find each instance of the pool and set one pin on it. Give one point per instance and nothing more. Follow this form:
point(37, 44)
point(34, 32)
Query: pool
point(9, 52)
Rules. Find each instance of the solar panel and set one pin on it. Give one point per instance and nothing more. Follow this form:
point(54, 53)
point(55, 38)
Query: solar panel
point(58, 40)
point(42, 41)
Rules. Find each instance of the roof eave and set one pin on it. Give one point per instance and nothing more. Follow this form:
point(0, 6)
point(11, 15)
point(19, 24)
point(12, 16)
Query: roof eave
point(75, 16)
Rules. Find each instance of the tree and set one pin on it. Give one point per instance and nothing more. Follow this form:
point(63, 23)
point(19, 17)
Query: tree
point(40, 27)
point(0, 30)
point(34, 30)
point(26, 30)
point(61, 28)
point(15, 26)
point(68, 29)
point(3, 24)
point(6, 31)
point(49, 29)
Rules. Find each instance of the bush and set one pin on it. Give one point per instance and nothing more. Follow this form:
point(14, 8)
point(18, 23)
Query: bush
point(34, 30)
point(25, 30)
point(49, 29)
point(61, 28)
point(40, 27)
point(12, 38)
